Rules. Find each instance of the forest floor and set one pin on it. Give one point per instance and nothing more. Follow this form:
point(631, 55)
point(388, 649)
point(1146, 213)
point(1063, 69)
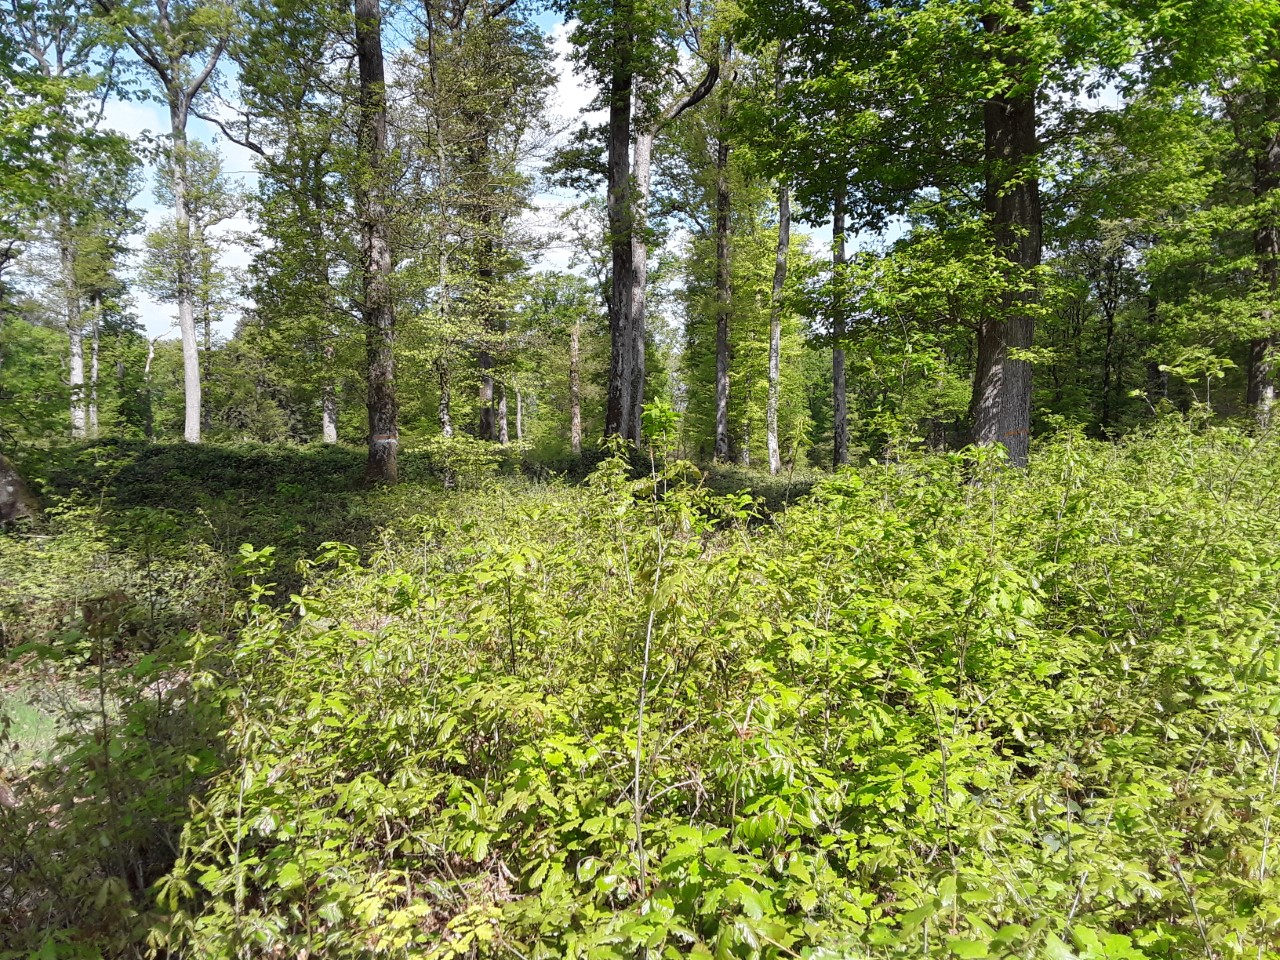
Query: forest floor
point(923, 708)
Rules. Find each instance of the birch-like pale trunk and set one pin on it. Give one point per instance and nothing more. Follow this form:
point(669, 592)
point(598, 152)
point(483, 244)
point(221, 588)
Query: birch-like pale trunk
point(93, 365)
point(723, 297)
point(775, 328)
point(839, 389)
point(575, 388)
point(74, 320)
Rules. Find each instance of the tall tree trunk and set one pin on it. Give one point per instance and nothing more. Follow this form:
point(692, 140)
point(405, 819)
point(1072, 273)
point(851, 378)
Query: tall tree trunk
point(376, 305)
point(178, 112)
point(575, 388)
point(1011, 197)
point(1157, 379)
point(488, 425)
point(148, 415)
point(96, 320)
point(329, 400)
point(504, 437)
point(637, 314)
point(16, 500)
point(1108, 362)
point(839, 389)
point(775, 327)
point(723, 304)
point(620, 214)
point(1266, 244)
point(74, 321)
point(444, 406)
point(519, 415)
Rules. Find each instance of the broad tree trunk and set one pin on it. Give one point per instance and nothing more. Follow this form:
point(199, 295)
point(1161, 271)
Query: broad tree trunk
point(1002, 384)
point(575, 388)
point(775, 328)
point(376, 305)
point(16, 500)
point(723, 302)
point(620, 215)
point(839, 389)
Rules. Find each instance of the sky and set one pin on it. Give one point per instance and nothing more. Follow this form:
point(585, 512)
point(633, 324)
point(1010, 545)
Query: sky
point(571, 96)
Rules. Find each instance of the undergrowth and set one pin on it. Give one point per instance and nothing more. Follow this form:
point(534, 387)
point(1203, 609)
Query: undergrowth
point(936, 708)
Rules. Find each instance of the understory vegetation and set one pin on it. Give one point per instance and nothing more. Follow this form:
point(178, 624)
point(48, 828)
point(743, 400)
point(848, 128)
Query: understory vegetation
point(933, 707)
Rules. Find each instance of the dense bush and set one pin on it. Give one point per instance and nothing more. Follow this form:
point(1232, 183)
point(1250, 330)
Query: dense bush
point(936, 709)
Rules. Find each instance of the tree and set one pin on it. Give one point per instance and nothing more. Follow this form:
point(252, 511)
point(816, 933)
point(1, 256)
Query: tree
point(181, 45)
point(377, 306)
point(633, 51)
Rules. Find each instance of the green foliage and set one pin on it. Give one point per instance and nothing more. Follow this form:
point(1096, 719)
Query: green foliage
point(925, 712)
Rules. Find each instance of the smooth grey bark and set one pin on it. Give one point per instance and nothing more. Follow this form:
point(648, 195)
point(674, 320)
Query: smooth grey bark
point(839, 389)
point(376, 305)
point(575, 388)
point(519, 415)
point(1011, 199)
point(329, 402)
point(17, 502)
point(775, 327)
point(723, 295)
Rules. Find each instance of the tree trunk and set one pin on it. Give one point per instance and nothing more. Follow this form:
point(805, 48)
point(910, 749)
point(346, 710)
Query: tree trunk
point(149, 418)
point(839, 390)
point(775, 328)
point(575, 389)
point(637, 315)
point(1266, 244)
point(503, 436)
point(444, 406)
point(75, 324)
point(93, 366)
point(1108, 362)
point(1157, 379)
point(620, 215)
point(488, 426)
point(376, 305)
point(723, 304)
point(16, 500)
point(519, 415)
point(1011, 197)
point(178, 110)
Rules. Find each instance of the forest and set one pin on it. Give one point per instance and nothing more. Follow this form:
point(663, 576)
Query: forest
point(637, 479)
